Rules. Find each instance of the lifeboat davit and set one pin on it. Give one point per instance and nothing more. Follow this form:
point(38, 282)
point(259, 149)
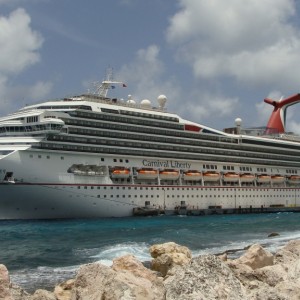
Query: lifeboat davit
point(211, 176)
point(120, 173)
point(192, 175)
point(277, 178)
point(294, 179)
point(247, 177)
point(263, 178)
point(231, 177)
point(168, 174)
point(147, 174)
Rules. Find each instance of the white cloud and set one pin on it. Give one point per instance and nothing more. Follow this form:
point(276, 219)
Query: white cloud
point(39, 90)
point(209, 106)
point(146, 72)
point(19, 46)
point(252, 42)
point(18, 43)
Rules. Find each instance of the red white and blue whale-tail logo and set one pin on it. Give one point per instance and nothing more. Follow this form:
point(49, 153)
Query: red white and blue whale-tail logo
point(278, 117)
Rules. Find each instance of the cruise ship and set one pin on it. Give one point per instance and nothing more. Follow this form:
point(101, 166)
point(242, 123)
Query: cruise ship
point(92, 156)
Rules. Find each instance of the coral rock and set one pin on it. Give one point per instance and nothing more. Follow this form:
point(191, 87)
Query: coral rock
point(256, 257)
point(43, 295)
point(5, 293)
point(206, 277)
point(167, 255)
point(127, 279)
point(63, 291)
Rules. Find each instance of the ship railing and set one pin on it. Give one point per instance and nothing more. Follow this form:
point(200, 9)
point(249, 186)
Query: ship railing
point(289, 137)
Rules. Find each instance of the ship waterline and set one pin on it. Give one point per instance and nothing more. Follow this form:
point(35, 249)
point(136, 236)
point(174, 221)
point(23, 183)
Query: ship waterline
point(92, 201)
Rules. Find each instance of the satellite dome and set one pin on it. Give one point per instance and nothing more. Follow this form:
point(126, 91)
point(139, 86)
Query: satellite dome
point(146, 103)
point(131, 101)
point(238, 121)
point(162, 99)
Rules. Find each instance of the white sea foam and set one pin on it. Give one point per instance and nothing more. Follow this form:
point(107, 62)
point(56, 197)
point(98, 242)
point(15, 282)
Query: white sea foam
point(272, 244)
point(107, 254)
point(42, 277)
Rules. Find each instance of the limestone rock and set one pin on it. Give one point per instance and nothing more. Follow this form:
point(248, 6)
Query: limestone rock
point(206, 277)
point(289, 253)
point(293, 247)
point(42, 295)
point(285, 290)
point(271, 275)
point(63, 291)
point(294, 270)
point(131, 264)
point(243, 272)
point(5, 293)
point(168, 255)
point(223, 257)
point(167, 248)
point(266, 294)
point(90, 281)
point(289, 290)
point(256, 257)
point(18, 293)
point(96, 281)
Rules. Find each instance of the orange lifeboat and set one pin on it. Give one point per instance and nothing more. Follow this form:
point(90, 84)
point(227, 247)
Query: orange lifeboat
point(211, 176)
point(192, 175)
point(169, 174)
point(147, 173)
point(231, 177)
point(247, 177)
point(294, 179)
point(120, 173)
point(263, 178)
point(277, 178)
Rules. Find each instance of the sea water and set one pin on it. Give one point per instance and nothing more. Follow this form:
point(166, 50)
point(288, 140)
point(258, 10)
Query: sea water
point(40, 254)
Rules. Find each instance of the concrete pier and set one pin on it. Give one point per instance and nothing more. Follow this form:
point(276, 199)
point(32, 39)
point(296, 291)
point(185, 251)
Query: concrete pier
point(185, 210)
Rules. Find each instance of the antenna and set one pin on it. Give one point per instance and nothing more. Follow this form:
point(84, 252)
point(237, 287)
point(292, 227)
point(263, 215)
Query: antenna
point(108, 83)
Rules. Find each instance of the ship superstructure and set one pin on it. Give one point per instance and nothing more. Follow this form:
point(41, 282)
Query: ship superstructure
point(93, 156)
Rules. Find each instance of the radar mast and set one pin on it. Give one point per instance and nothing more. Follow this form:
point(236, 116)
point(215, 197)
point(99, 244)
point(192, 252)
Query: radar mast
point(101, 89)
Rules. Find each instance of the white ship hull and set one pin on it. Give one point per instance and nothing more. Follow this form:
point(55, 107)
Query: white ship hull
point(51, 192)
point(42, 201)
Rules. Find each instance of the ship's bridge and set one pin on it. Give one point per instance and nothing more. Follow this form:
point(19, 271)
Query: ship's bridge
point(30, 123)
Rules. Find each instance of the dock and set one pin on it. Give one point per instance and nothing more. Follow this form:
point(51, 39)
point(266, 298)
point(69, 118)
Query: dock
point(211, 210)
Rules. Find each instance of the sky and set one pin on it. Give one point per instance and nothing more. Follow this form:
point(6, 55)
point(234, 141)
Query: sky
point(215, 60)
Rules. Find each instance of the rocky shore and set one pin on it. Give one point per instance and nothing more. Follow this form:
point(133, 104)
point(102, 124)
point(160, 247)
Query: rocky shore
point(174, 275)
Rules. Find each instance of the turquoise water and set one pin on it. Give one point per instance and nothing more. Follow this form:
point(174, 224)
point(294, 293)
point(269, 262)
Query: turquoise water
point(39, 254)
